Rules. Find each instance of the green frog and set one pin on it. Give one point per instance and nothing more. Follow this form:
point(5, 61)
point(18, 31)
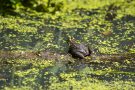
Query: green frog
point(78, 50)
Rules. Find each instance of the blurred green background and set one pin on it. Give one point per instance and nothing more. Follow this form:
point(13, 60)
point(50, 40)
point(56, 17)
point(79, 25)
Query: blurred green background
point(107, 26)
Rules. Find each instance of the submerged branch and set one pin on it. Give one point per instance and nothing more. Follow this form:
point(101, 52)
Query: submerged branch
point(114, 57)
point(48, 55)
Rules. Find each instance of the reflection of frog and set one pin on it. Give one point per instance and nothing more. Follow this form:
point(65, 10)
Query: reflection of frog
point(78, 50)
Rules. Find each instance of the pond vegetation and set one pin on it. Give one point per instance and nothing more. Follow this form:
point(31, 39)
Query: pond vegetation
point(34, 44)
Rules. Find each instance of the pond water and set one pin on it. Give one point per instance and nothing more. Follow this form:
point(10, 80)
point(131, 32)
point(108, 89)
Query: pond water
point(37, 32)
point(39, 74)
